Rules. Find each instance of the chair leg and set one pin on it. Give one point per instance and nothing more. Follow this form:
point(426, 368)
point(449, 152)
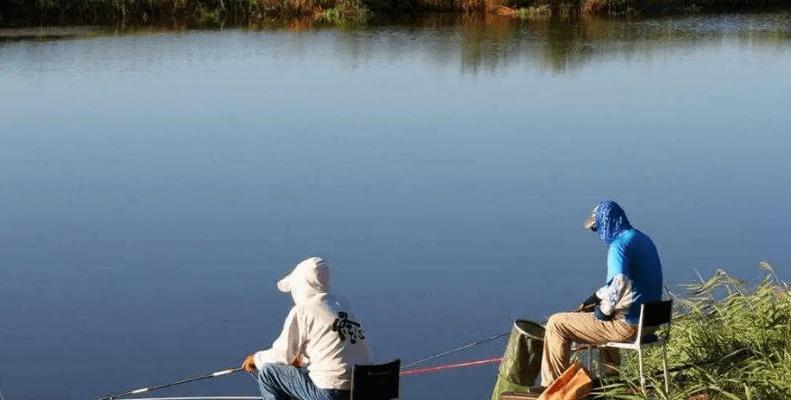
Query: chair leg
point(640, 361)
point(664, 367)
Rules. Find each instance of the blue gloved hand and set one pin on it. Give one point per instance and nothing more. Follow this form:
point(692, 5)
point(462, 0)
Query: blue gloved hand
point(600, 315)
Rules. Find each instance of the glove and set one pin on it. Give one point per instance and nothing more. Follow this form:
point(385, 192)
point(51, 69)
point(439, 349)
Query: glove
point(600, 315)
point(249, 364)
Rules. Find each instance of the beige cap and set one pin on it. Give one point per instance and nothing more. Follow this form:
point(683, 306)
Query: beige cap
point(590, 223)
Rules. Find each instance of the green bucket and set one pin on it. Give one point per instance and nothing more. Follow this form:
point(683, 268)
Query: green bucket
point(521, 362)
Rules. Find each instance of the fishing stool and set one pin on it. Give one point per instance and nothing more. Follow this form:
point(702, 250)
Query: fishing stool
point(376, 382)
point(652, 316)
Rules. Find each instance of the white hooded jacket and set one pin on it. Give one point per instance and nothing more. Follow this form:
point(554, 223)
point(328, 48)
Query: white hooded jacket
point(320, 332)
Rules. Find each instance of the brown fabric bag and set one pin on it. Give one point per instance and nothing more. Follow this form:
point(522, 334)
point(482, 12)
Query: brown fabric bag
point(573, 384)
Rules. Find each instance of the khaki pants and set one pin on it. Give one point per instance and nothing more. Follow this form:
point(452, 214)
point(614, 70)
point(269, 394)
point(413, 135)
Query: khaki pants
point(563, 329)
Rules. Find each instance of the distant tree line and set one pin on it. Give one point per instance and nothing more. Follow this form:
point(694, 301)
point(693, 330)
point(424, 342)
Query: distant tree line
point(103, 12)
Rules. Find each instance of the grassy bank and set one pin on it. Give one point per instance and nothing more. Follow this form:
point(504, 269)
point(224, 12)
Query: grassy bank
point(734, 339)
point(215, 12)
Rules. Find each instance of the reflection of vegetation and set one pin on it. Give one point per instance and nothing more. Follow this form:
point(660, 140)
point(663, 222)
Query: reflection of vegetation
point(747, 332)
point(534, 11)
point(610, 7)
point(563, 43)
point(486, 42)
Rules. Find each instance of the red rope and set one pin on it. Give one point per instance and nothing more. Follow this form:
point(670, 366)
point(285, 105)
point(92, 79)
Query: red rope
point(419, 371)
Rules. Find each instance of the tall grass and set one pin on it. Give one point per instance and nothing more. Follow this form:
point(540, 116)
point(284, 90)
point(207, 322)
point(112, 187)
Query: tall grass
point(734, 338)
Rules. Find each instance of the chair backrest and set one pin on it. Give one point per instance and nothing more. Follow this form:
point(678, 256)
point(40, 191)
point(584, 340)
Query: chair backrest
point(376, 382)
point(653, 315)
point(657, 313)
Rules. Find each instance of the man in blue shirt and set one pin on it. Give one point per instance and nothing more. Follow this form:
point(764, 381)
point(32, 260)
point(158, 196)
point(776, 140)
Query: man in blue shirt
point(634, 277)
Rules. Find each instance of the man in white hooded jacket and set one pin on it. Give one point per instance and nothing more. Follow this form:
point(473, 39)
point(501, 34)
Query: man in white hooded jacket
point(321, 341)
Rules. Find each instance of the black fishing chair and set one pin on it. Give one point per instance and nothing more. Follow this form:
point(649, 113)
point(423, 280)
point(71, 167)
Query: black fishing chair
point(652, 316)
point(376, 382)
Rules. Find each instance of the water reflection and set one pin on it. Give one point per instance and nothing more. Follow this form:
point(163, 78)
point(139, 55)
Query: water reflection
point(558, 44)
point(485, 43)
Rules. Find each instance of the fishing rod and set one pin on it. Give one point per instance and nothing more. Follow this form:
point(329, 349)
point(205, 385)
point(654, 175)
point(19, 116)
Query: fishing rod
point(167, 385)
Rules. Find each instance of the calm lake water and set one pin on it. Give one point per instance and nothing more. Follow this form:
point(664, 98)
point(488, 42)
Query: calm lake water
point(154, 185)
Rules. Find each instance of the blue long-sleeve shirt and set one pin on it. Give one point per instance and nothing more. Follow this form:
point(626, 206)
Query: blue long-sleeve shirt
point(634, 276)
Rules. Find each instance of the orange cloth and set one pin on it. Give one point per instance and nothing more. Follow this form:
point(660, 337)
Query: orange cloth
point(573, 384)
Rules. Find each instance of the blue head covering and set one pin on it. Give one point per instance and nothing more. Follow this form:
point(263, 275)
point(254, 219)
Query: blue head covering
point(610, 220)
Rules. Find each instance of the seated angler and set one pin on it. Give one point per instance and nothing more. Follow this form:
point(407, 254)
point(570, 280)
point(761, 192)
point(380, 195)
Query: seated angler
point(320, 343)
point(634, 277)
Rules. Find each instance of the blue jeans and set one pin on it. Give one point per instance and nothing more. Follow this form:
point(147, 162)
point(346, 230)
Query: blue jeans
point(284, 382)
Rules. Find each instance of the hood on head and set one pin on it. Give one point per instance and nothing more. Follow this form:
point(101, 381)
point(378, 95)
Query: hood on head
point(610, 221)
point(309, 278)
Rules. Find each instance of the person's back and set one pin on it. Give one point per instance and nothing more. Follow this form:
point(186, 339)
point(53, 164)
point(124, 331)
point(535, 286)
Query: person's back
point(321, 341)
point(336, 340)
point(642, 268)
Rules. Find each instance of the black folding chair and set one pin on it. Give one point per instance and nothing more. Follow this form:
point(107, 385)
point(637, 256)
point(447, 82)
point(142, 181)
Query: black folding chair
point(376, 382)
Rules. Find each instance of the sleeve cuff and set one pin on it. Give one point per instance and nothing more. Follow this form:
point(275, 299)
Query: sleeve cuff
point(260, 358)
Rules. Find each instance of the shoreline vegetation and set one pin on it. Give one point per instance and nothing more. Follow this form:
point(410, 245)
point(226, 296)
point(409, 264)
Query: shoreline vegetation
point(733, 338)
point(27, 13)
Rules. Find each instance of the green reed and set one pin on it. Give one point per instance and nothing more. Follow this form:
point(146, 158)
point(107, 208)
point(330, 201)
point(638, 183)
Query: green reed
point(735, 339)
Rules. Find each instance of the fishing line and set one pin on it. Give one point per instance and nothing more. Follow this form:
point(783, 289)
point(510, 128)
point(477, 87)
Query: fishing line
point(457, 349)
point(180, 382)
point(438, 368)
point(460, 348)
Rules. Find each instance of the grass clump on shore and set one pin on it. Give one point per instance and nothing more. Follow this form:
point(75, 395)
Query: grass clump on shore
point(347, 12)
point(734, 339)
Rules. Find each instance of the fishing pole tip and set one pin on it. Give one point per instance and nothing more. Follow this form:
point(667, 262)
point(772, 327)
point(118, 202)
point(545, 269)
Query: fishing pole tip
point(226, 372)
